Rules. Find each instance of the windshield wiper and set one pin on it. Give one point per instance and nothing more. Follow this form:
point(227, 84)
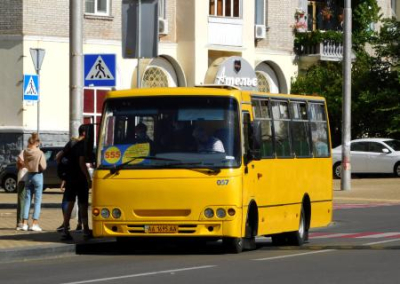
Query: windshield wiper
point(116, 169)
point(208, 169)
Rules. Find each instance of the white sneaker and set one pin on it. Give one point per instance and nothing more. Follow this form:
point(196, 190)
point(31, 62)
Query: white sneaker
point(35, 228)
point(25, 227)
point(19, 227)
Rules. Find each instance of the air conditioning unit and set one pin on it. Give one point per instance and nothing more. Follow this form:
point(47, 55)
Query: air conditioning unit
point(260, 32)
point(162, 26)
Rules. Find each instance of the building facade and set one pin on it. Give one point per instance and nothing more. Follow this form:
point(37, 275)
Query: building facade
point(245, 43)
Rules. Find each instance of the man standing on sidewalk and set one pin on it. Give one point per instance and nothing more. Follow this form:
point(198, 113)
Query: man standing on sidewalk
point(77, 183)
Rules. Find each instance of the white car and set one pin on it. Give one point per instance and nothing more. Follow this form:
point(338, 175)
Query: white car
point(370, 155)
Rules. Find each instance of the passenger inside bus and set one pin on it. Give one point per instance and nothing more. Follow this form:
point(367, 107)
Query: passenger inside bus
point(207, 143)
point(141, 134)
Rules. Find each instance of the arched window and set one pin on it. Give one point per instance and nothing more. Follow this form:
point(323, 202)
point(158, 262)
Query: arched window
point(263, 85)
point(154, 77)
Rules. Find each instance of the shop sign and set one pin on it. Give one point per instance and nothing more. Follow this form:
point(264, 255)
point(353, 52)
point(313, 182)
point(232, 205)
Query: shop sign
point(234, 71)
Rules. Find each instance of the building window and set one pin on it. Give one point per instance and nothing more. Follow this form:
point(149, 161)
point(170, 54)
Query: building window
point(92, 107)
point(263, 85)
point(154, 77)
point(225, 8)
point(260, 12)
point(325, 15)
point(97, 7)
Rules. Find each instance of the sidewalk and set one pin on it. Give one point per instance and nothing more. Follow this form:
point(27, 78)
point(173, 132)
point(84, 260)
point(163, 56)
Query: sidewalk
point(20, 245)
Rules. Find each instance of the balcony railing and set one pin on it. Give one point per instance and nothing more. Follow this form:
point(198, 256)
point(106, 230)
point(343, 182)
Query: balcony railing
point(327, 50)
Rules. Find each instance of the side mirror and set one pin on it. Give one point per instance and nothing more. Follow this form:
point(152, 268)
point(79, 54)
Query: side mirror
point(385, 150)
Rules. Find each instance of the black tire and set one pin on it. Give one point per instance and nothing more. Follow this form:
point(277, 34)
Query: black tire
point(337, 170)
point(10, 184)
point(299, 237)
point(233, 245)
point(396, 169)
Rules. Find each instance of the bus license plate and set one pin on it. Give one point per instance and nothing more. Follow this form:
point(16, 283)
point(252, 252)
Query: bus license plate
point(163, 229)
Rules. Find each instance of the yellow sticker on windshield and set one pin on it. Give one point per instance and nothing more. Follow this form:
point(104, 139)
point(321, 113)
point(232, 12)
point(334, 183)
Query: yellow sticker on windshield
point(112, 155)
point(137, 150)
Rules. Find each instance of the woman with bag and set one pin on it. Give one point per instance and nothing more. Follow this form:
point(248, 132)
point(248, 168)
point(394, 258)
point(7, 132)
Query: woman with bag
point(35, 162)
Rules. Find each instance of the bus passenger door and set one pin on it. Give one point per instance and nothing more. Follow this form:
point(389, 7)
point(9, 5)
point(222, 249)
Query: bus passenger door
point(250, 179)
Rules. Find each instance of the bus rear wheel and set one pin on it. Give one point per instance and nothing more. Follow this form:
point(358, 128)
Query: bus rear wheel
point(299, 237)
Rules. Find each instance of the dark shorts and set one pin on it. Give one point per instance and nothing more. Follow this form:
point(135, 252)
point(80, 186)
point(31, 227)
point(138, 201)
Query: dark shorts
point(74, 189)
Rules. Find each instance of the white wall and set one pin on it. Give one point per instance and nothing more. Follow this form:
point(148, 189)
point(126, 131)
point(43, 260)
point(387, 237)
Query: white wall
point(11, 61)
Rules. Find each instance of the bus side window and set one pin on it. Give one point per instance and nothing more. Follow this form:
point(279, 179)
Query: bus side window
point(261, 113)
point(300, 129)
point(319, 130)
point(280, 113)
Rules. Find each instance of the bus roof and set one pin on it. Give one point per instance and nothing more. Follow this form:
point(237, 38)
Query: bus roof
point(241, 95)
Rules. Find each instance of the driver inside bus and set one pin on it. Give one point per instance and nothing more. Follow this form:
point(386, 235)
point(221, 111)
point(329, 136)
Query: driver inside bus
point(207, 143)
point(141, 136)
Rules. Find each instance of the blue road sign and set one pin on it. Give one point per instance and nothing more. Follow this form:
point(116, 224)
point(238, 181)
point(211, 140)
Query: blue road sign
point(31, 88)
point(100, 70)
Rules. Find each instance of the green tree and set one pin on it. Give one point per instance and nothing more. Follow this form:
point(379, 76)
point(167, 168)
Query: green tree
point(375, 78)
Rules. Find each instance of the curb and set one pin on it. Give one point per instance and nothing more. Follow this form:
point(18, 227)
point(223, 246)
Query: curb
point(54, 251)
point(37, 252)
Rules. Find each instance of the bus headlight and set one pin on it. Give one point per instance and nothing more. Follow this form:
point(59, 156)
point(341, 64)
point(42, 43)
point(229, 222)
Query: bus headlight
point(209, 213)
point(105, 213)
point(221, 213)
point(116, 213)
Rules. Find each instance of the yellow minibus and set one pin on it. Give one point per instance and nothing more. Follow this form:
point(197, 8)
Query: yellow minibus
point(213, 163)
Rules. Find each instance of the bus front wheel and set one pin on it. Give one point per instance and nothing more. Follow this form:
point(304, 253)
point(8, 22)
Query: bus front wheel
point(233, 245)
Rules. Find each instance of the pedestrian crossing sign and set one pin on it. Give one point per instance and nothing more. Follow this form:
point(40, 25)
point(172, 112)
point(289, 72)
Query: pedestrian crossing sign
point(100, 70)
point(31, 88)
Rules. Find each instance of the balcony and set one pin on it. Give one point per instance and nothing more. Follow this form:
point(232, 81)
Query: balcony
point(314, 46)
point(327, 50)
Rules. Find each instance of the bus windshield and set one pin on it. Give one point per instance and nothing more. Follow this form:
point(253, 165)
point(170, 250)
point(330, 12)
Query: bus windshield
point(170, 132)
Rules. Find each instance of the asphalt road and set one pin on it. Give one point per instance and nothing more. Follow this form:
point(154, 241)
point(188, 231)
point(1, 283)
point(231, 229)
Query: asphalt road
point(361, 246)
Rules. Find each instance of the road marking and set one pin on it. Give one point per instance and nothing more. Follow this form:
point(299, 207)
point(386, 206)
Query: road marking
point(381, 235)
point(363, 235)
point(381, 242)
point(142, 274)
point(294, 255)
point(373, 200)
point(340, 206)
point(328, 235)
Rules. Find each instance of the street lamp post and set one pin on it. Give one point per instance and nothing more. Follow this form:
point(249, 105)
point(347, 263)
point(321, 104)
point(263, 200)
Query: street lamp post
point(346, 106)
point(76, 66)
